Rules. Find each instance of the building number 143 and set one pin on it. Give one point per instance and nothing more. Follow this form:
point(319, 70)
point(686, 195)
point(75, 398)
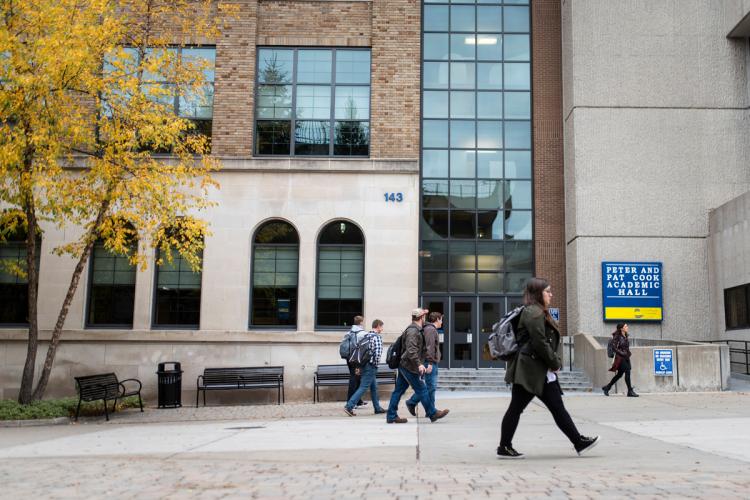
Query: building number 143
point(394, 197)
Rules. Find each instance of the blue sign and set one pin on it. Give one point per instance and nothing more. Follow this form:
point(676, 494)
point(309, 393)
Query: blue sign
point(632, 291)
point(555, 313)
point(663, 365)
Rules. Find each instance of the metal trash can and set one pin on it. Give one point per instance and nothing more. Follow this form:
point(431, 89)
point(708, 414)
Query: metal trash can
point(170, 385)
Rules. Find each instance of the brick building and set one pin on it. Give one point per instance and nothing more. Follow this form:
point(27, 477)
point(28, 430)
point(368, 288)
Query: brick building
point(377, 155)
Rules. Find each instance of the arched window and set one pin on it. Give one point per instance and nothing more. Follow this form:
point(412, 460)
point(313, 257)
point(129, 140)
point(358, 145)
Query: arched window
point(178, 290)
point(14, 289)
point(275, 266)
point(341, 274)
point(111, 286)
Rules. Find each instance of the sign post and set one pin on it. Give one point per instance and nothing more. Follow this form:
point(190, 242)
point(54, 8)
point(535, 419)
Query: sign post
point(663, 365)
point(632, 291)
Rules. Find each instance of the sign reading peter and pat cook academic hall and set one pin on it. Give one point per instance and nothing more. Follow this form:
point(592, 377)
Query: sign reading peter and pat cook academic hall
point(632, 291)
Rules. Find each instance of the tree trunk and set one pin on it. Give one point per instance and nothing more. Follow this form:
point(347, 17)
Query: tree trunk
point(32, 279)
point(27, 379)
point(57, 332)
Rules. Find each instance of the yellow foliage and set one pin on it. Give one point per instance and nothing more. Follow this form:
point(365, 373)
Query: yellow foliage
point(80, 118)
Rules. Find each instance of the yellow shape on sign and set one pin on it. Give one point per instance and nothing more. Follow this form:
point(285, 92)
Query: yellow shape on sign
point(641, 313)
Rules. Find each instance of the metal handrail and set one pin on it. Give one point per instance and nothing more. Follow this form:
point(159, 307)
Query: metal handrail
point(743, 351)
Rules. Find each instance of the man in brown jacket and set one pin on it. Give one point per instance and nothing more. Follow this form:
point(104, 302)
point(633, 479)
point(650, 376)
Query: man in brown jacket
point(432, 358)
point(410, 371)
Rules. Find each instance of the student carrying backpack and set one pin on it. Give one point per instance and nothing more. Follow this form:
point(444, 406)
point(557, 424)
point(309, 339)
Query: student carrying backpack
point(361, 354)
point(502, 343)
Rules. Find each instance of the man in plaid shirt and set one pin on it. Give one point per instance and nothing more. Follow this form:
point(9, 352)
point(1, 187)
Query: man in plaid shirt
point(369, 372)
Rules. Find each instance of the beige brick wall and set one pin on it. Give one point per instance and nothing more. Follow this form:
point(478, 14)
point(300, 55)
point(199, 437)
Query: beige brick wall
point(235, 82)
point(391, 28)
point(305, 23)
point(395, 79)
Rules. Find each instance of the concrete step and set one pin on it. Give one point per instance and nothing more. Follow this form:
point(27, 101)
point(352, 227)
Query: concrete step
point(468, 379)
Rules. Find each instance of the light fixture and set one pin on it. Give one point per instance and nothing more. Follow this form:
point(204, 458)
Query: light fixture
point(342, 227)
point(482, 40)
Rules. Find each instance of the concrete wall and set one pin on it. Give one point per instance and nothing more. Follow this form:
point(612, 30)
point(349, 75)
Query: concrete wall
point(656, 126)
point(697, 367)
point(308, 194)
point(136, 355)
point(729, 259)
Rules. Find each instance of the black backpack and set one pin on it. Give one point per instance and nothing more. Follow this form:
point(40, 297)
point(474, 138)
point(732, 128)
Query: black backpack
point(361, 354)
point(611, 348)
point(395, 351)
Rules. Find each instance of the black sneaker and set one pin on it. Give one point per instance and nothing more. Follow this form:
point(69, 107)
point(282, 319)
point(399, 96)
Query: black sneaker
point(349, 412)
point(632, 394)
point(412, 409)
point(585, 444)
point(379, 411)
point(605, 390)
point(508, 452)
point(361, 404)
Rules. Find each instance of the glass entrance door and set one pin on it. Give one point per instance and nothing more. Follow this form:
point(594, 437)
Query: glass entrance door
point(491, 309)
point(463, 333)
point(440, 304)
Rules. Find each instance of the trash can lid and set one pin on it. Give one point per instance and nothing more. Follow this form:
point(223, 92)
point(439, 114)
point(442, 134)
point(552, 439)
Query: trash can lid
point(175, 368)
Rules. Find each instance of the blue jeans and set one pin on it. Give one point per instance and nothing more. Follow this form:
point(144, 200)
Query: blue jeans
point(430, 380)
point(368, 381)
point(403, 381)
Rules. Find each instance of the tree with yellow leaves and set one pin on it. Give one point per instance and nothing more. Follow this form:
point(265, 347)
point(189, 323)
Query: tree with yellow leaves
point(90, 92)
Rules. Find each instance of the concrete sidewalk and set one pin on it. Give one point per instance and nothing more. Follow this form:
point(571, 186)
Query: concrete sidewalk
point(666, 445)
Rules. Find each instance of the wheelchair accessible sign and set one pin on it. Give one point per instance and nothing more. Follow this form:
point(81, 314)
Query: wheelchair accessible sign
point(663, 365)
point(632, 291)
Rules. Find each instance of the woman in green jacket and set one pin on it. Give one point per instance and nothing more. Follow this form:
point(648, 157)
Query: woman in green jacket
point(533, 371)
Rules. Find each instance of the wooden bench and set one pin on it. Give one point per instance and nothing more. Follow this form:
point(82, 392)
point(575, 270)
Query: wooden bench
point(105, 387)
point(338, 375)
point(222, 379)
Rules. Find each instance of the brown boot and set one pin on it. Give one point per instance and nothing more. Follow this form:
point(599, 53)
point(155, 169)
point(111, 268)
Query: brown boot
point(397, 420)
point(438, 415)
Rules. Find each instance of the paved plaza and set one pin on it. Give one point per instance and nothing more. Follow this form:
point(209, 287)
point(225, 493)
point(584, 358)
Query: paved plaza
point(656, 446)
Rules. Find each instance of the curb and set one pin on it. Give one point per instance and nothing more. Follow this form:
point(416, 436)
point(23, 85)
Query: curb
point(35, 422)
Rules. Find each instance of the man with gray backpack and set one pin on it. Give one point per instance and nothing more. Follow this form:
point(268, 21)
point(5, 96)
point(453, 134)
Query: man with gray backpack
point(367, 355)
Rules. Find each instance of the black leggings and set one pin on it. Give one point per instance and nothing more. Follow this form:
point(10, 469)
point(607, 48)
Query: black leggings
point(623, 368)
point(552, 399)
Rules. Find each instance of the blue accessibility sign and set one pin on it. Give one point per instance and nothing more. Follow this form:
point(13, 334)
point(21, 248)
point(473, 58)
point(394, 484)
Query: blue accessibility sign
point(663, 365)
point(555, 313)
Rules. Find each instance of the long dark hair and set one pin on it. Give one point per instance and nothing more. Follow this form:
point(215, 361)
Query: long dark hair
point(533, 293)
point(618, 330)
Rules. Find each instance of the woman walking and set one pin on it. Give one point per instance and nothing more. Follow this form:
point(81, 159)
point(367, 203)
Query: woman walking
point(533, 371)
point(621, 365)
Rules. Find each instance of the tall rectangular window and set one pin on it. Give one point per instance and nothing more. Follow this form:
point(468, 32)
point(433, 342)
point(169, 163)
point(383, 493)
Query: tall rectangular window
point(312, 102)
point(737, 307)
point(111, 289)
point(178, 294)
point(14, 289)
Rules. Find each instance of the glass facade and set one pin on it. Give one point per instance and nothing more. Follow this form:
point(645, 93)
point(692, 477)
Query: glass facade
point(313, 102)
point(476, 220)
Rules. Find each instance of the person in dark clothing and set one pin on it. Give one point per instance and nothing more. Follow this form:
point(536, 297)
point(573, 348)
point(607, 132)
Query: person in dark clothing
point(355, 373)
point(411, 369)
point(432, 358)
point(533, 371)
point(621, 364)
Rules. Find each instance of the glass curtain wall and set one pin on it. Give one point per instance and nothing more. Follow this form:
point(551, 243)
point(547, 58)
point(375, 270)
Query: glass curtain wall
point(476, 226)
